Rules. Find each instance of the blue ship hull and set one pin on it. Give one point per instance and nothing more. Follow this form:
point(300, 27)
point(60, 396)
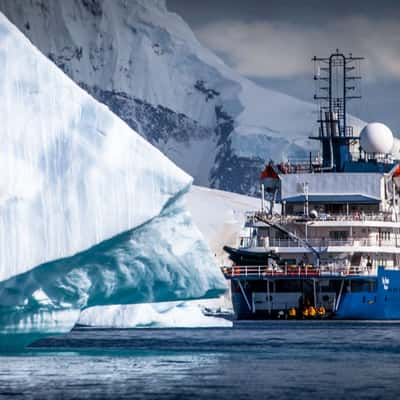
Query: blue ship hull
point(383, 304)
point(381, 301)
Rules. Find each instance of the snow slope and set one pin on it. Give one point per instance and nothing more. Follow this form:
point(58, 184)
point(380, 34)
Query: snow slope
point(219, 216)
point(90, 213)
point(145, 63)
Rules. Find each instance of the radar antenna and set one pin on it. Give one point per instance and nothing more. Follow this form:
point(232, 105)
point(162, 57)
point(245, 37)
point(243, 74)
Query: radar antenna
point(337, 80)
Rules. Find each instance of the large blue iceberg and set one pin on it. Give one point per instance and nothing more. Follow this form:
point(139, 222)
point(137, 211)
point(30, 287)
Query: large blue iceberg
point(90, 213)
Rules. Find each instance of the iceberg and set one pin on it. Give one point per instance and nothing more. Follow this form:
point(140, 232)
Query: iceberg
point(90, 213)
point(220, 216)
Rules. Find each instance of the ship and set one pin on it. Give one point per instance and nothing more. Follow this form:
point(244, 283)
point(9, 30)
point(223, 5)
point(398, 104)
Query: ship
point(325, 243)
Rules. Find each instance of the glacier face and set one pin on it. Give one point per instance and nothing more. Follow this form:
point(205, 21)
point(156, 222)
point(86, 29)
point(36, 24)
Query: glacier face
point(90, 212)
point(216, 125)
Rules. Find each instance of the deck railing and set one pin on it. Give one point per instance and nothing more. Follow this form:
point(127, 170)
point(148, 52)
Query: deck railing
point(333, 243)
point(295, 270)
point(353, 216)
point(317, 243)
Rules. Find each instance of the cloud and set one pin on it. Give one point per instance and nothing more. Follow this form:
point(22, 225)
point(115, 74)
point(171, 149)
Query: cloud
point(268, 49)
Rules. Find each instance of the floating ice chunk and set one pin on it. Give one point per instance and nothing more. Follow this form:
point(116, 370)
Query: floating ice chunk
point(159, 315)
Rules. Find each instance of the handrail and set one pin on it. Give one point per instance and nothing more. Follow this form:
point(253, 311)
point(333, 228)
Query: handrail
point(382, 216)
point(295, 270)
point(293, 236)
point(317, 243)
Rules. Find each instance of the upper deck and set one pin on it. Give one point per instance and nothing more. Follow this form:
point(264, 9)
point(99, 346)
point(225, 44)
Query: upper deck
point(297, 272)
point(377, 219)
point(336, 198)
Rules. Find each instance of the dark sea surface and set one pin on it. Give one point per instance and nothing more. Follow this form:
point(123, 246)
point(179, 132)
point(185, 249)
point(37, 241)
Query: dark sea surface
point(269, 360)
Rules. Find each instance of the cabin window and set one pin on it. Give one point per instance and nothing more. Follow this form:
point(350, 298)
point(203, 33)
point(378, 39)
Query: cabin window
point(339, 235)
point(363, 285)
point(289, 261)
point(384, 235)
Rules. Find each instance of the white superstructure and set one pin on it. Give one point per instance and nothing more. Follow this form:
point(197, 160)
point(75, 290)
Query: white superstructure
point(346, 222)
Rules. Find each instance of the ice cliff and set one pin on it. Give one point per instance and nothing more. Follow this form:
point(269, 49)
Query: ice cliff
point(90, 213)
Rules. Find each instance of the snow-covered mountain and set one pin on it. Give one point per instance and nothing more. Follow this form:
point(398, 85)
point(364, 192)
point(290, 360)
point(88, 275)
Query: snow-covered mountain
point(145, 63)
point(90, 212)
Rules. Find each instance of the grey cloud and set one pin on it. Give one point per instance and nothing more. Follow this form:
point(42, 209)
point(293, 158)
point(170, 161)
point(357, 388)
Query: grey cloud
point(272, 42)
point(282, 49)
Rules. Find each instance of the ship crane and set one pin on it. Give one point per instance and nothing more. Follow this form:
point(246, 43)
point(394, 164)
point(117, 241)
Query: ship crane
point(291, 235)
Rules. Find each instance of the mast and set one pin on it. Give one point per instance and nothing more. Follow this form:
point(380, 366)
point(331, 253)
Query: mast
point(336, 77)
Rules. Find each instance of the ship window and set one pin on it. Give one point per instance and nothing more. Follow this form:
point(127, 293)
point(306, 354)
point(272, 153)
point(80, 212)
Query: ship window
point(363, 285)
point(384, 235)
point(339, 235)
point(290, 261)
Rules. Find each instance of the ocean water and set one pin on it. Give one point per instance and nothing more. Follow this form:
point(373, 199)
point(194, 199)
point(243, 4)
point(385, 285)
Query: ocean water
point(268, 360)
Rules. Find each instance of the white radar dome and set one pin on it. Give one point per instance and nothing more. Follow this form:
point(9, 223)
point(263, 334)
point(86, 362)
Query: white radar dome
point(376, 138)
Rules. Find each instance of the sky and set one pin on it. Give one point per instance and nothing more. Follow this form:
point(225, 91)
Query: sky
point(272, 42)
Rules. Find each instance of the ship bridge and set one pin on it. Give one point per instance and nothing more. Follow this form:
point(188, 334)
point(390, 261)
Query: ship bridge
point(339, 188)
